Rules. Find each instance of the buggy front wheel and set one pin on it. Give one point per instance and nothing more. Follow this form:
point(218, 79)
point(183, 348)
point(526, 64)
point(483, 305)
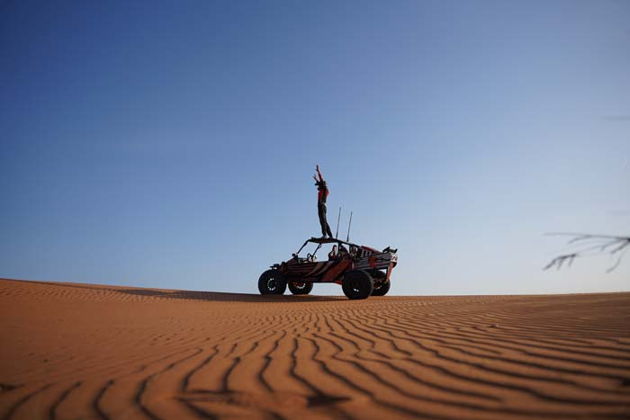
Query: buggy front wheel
point(357, 284)
point(381, 288)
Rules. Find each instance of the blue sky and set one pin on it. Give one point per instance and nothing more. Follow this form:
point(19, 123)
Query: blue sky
point(172, 144)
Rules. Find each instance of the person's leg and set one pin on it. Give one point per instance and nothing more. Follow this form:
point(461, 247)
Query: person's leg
point(324, 222)
point(321, 211)
point(327, 225)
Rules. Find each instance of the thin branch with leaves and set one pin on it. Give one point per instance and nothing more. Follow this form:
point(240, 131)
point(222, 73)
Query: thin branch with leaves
point(588, 245)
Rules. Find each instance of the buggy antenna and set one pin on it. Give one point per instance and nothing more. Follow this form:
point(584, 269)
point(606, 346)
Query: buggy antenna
point(349, 224)
point(338, 218)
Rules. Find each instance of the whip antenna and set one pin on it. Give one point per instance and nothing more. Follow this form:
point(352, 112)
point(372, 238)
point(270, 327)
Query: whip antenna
point(349, 224)
point(338, 218)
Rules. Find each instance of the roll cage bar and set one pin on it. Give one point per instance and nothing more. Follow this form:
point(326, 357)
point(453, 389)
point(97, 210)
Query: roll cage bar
point(322, 241)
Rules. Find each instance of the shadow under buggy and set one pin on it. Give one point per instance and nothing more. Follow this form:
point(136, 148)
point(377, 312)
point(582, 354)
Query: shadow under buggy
point(360, 270)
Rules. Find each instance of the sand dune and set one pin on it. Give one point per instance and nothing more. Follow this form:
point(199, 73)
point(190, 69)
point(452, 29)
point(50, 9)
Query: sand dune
point(76, 351)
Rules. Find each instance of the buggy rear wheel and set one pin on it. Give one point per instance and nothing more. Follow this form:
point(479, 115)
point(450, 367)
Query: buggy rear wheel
point(272, 282)
point(357, 284)
point(300, 287)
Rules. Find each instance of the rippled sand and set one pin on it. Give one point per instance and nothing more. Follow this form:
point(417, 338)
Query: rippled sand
point(76, 351)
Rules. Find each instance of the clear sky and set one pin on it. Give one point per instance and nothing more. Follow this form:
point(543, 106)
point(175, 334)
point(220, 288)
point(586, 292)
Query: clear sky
point(171, 143)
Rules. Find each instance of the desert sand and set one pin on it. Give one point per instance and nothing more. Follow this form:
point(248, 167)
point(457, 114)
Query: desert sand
point(79, 351)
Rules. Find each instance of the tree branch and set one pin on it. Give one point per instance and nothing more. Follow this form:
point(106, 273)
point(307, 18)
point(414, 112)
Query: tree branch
point(592, 245)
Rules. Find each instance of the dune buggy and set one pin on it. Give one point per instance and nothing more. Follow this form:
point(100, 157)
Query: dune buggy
point(360, 270)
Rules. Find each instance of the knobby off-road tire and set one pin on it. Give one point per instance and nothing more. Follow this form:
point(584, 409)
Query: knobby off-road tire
point(357, 284)
point(272, 282)
point(300, 287)
point(381, 288)
point(381, 284)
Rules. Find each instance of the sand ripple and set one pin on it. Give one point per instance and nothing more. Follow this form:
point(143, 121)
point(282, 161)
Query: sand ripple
point(76, 351)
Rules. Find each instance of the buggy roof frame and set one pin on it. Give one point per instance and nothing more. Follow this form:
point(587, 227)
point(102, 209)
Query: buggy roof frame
point(322, 241)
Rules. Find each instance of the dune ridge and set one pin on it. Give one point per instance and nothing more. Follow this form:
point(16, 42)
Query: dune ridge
point(80, 351)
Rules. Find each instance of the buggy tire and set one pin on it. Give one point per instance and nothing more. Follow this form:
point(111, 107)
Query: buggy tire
point(357, 284)
point(272, 282)
point(300, 287)
point(381, 288)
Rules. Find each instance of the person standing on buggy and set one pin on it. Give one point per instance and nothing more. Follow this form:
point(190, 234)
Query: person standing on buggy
point(322, 194)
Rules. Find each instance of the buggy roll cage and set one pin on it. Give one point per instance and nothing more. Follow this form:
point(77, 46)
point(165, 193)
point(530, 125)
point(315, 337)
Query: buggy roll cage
point(322, 241)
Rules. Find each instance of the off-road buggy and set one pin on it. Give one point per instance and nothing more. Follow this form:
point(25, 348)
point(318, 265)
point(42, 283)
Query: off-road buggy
point(360, 270)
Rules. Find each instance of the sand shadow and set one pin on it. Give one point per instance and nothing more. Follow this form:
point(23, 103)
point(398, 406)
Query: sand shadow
point(192, 294)
point(225, 297)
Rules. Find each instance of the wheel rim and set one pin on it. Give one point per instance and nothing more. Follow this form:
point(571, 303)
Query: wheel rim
point(299, 285)
point(272, 284)
point(354, 286)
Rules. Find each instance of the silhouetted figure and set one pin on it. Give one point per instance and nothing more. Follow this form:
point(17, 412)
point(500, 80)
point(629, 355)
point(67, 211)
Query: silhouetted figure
point(332, 255)
point(322, 194)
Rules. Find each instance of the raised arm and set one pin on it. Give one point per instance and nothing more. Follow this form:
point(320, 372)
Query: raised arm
point(321, 178)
